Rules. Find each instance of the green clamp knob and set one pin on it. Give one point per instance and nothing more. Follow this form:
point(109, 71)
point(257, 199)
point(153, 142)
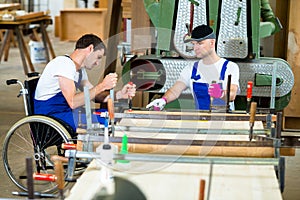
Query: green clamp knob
point(124, 148)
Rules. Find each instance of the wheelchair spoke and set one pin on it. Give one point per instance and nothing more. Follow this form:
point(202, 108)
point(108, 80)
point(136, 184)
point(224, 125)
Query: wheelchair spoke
point(35, 137)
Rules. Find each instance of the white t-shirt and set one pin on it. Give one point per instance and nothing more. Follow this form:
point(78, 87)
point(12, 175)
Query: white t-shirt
point(209, 73)
point(48, 84)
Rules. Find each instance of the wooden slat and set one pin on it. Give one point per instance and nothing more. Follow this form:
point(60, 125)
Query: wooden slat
point(208, 148)
point(10, 6)
point(224, 125)
point(260, 152)
point(30, 15)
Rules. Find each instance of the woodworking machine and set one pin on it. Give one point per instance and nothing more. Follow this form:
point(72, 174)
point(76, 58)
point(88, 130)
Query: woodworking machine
point(239, 26)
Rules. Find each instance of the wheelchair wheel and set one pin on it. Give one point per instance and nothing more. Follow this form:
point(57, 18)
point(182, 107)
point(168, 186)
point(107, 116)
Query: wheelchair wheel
point(37, 137)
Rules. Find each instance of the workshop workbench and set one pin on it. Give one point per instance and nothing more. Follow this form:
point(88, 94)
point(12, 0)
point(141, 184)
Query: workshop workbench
point(182, 181)
point(17, 26)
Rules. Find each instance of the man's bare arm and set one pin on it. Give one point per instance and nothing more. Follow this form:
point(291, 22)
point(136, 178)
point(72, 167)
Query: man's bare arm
point(233, 92)
point(74, 99)
point(174, 92)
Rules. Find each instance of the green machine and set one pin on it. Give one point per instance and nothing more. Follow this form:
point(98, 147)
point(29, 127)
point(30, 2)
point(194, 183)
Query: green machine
point(239, 26)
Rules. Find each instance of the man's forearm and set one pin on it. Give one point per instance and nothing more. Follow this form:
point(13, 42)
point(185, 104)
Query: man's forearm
point(101, 97)
point(170, 95)
point(233, 92)
point(174, 92)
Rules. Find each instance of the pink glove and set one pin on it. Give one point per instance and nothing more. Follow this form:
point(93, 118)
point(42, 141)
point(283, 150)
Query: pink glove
point(215, 90)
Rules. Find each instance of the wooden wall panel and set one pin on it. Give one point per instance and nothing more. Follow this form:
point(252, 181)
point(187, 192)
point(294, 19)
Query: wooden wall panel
point(87, 21)
point(280, 38)
point(293, 58)
point(140, 35)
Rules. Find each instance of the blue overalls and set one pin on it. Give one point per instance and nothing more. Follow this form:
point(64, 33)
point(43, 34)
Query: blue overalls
point(200, 90)
point(58, 107)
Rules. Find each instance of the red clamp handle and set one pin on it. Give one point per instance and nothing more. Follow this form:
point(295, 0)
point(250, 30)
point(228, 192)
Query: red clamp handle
point(44, 177)
point(249, 89)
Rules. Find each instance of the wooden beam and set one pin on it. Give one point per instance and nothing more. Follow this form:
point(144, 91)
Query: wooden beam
point(281, 38)
point(140, 34)
point(114, 19)
point(257, 152)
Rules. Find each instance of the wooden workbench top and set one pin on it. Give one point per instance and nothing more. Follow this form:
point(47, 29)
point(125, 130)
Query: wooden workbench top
point(170, 181)
point(24, 19)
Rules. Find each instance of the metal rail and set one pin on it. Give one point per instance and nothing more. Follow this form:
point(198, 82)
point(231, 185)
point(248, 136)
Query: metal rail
point(191, 142)
point(192, 116)
point(181, 159)
point(186, 130)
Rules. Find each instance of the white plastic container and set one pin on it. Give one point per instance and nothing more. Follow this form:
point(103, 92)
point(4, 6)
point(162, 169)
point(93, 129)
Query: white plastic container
point(37, 52)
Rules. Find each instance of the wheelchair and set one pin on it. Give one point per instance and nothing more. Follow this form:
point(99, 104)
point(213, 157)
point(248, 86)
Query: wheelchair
point(37, 137)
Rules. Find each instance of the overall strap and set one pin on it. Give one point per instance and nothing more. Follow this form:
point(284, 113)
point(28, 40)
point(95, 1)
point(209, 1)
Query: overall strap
point(224, 67)
point(194, 72)
point(77, 84)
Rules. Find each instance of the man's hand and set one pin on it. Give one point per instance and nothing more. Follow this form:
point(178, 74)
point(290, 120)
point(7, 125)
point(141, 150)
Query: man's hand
point(215, 90)
point(128, 91)
point(157, 104)
point(109, 81)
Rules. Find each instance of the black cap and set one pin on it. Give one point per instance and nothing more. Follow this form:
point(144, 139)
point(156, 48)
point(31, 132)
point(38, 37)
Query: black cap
point(201, 33)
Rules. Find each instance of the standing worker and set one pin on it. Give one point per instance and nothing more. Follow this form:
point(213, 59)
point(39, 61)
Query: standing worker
point(207, 78)
point(56, 93)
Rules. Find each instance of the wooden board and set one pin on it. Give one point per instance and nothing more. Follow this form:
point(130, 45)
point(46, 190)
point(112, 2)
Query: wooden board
point(229, 125)
point(171, 181)
point(208, 148)
point(10, 6)
point(27, 16)
point(30, 15)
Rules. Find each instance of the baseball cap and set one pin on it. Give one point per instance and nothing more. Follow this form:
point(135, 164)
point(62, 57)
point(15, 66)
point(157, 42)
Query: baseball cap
point(201, 33)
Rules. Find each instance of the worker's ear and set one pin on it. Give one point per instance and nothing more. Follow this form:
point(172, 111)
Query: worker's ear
point(91, 48)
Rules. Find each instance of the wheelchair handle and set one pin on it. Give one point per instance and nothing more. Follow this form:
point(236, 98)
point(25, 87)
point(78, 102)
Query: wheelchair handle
point(11, 81)
point(23, 92)
point(33, 74)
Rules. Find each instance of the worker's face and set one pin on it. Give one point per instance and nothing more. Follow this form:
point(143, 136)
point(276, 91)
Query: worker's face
point(204, 48)
point(93, 59)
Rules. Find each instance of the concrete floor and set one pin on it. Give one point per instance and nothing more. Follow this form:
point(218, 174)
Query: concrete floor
point(11, 109)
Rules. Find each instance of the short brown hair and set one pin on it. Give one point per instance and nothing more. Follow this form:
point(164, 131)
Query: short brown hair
point(88, 39)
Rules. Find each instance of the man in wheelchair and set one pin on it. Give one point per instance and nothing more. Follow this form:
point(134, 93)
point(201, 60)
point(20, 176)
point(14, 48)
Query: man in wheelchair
point(57, 93)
